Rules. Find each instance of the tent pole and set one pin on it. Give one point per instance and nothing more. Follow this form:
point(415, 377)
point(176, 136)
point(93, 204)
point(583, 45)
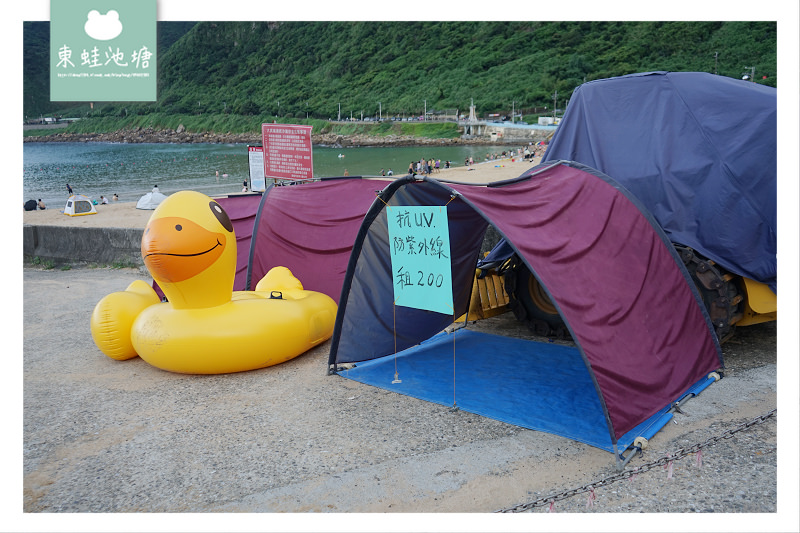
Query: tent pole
point(256, 225)
point(619, 461)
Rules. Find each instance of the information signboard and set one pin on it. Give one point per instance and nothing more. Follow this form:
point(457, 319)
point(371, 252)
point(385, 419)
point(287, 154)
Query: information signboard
point(287, 151)
point(255, 157)
point(419, 240)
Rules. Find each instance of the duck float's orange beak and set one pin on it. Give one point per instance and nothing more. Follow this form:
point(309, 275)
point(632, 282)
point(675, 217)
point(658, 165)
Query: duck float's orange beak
point(176, 249)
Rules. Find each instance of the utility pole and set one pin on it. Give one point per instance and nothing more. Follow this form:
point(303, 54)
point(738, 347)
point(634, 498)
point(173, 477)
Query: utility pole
point(512, 111)
point(716, 56)
point(555, 103)
point(425, 113)
point(380, 112)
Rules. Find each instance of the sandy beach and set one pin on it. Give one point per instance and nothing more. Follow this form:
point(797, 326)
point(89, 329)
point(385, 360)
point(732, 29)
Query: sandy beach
point(106, 436)
point(125, 214)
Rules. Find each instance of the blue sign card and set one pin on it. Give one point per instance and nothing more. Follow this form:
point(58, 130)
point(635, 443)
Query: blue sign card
point(419, 241)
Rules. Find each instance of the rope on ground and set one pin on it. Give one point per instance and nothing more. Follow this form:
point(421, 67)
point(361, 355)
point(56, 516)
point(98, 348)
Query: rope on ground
point(665, 462)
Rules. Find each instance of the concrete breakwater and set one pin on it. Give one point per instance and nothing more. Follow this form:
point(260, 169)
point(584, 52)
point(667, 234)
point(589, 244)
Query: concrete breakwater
point(99, 245)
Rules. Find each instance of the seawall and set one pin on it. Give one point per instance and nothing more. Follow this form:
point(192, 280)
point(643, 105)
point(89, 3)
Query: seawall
point(74, 245)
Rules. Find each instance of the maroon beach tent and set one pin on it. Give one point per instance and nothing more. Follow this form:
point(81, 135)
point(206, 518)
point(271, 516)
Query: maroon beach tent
point(643, 339)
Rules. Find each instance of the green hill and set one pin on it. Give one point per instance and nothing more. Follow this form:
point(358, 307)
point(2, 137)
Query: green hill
point(296, 69)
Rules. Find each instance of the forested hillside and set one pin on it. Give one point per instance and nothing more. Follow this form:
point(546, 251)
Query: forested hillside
point(295, 69)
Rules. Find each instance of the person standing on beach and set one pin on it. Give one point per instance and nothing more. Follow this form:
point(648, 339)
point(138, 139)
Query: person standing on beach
point(69, 189)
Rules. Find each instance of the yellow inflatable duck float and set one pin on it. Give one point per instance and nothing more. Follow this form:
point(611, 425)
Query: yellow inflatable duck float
point(189, 247)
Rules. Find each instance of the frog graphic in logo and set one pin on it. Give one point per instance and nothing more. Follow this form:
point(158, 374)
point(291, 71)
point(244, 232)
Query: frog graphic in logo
point(103, 27)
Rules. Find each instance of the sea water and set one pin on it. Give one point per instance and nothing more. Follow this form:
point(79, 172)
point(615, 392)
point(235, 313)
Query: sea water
point(131, 170)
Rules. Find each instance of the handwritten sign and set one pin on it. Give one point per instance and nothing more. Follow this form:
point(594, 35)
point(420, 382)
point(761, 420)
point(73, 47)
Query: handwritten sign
point(419, 241)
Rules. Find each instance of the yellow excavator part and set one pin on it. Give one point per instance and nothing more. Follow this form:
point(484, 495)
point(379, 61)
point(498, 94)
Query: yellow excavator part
point(489, 297)
point(761, 304)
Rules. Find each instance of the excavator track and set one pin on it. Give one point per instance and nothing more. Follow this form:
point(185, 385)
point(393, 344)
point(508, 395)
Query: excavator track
point(721, 292)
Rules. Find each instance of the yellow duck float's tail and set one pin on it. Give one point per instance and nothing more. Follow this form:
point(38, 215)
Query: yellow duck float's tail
point(277, 279)
point(113, 318)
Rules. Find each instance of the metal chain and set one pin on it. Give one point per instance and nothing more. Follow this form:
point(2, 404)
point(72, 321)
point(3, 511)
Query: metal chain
point(681, 452)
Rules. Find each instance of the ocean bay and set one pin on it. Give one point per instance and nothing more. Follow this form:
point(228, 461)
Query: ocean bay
point(131, 170)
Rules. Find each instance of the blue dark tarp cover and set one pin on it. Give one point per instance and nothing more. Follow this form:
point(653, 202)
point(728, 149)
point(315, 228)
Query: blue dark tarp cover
point(698, 150)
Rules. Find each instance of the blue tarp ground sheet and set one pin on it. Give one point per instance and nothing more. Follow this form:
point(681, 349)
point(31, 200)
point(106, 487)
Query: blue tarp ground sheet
point(535, 385)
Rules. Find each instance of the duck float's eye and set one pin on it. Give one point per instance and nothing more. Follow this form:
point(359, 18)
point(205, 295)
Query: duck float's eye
point(178, 227)
point(221, 215)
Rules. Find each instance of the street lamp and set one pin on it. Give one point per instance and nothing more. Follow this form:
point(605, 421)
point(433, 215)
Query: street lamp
point(751, 76)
